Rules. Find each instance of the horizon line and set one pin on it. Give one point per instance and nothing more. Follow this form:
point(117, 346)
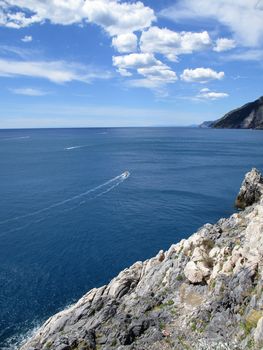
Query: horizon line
point(101, 127)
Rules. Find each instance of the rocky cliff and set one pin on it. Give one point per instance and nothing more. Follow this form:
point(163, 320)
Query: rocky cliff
point(205, 292)
point(249, 116)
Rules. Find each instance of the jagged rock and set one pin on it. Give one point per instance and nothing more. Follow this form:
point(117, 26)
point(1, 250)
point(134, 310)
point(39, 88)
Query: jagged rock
point(125, 281)
point(205, 292)
point(251, 189)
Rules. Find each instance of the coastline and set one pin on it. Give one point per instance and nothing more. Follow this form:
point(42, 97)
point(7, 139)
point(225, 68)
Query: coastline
point(203, 293)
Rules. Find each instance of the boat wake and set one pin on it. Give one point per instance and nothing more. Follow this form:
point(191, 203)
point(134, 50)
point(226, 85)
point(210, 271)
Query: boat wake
point(69, 203)
point(15, 138)
point(74, 147)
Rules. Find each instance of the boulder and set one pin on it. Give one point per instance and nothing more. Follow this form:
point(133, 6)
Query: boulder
point(193, 273)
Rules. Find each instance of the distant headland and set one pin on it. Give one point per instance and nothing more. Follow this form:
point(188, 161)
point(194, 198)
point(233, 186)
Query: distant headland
point(249, 116)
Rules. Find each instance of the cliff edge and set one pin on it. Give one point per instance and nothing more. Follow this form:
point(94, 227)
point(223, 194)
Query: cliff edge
point(206, 292)
point(249, 116)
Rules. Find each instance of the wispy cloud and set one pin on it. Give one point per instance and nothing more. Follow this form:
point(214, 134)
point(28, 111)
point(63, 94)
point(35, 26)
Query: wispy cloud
point(55, 71)
point(248, 55)
point(28, 91)
point(17, 52)
point(207, 94)
point(243, 18)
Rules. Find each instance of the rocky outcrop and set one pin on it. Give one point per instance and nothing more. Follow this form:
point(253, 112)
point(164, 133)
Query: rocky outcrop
point(249, 116)
point(251, 189)
point(205, 292)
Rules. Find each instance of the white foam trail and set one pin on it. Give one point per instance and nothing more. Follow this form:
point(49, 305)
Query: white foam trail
point(109, 189)
point(19, 228)
point(16, 138)
point(96, 196)
point(120, 177)
point(74, 147)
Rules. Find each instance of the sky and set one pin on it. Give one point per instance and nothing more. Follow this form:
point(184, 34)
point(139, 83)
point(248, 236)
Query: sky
point(102, 63)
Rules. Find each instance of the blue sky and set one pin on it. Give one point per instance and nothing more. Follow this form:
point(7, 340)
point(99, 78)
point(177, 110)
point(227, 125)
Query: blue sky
point(73, 63)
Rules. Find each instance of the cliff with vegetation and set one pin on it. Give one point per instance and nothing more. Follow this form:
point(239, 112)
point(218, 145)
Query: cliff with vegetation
point(205, 292)
point(249, 116)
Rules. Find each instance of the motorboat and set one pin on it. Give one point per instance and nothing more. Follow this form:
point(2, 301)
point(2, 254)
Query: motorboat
point(125, 174)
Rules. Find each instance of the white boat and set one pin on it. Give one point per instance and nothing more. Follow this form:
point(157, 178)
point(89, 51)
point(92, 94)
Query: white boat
point(125, 174)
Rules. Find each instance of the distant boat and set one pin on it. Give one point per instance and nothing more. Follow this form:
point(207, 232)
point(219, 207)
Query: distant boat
point(125, 174)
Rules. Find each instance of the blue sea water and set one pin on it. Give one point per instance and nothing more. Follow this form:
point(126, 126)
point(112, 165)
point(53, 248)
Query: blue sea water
point(69, 221)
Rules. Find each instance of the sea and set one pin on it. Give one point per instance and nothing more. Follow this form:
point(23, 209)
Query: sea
point(79, 205)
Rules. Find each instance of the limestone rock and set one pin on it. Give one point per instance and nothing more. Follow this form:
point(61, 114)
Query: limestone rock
point(193, 273)
point(251, 189)
point(205, 292)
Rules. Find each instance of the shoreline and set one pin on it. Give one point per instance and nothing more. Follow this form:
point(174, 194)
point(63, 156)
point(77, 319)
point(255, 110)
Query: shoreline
point(172, 300)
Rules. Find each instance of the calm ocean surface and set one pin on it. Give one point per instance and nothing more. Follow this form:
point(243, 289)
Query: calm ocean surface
point(69, 221)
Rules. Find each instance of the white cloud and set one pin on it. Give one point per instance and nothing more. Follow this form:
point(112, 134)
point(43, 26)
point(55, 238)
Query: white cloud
point(224, 44)
point(201, 75)
point(119, 18)
point(155, 76)
point(162, 72)
point(29, 91)
point(171, 44)
point(124, 72)
point(112, 15)
point(155, 73)
point(242, 17)
point(135, 60)
point(55, 71)
point(27, 39)
point(125, 43)
point(207, 94)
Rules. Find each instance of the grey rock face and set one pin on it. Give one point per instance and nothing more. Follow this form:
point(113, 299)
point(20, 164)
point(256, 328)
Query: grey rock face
point(204, 293)
point(249, 116)
point(251, 189)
